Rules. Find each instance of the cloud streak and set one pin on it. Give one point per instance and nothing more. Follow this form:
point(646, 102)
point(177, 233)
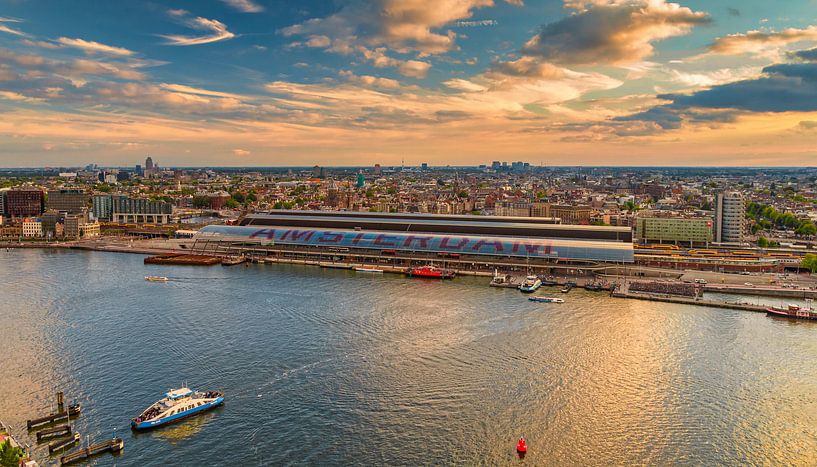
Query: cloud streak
point(8, 29)
point(244, 6)
point(94, 47)
point(217, 31)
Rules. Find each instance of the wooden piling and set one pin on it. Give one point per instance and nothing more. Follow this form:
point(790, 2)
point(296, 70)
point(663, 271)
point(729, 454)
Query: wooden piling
point(113, 446)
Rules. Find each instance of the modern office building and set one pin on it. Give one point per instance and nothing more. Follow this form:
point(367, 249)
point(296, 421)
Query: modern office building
point(126, 210)
point(730, 217)
point(25, 202)
point(687, 231)
point(70, 201)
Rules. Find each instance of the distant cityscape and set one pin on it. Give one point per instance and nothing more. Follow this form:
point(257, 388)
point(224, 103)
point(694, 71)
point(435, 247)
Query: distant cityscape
point(692, 208)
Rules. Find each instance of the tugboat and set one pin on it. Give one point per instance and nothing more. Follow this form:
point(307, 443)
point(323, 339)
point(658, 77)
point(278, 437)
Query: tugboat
point(531, 284)
point(793, 311)
point(546, 299)
point(177, 404)
point(431, 272)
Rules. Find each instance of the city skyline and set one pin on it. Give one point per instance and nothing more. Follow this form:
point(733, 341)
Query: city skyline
point(352, 83)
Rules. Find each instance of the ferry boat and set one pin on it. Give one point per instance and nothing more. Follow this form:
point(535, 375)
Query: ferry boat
point(793, 311)
point(546, 299)
point(177, 404)
point(362, 269)
point(531, 284)
point(431, 272)
point(156, 278)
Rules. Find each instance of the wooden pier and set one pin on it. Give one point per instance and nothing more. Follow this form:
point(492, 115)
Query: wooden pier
point(113, 446)
point(55, 432)
point(60, 415)
point(63, 443)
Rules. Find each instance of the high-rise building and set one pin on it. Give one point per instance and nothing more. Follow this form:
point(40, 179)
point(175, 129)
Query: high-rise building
point(316, 171)
point(730, 213)
point(377, 170)
point(25, 202)
point(71, 201)
point(361, 180)
point(103, 207)
point(424, 166)
point(149, 163)
point(138, 170)
point(3, 202)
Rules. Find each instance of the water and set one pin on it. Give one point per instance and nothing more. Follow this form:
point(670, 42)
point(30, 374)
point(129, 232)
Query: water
point(325, 366)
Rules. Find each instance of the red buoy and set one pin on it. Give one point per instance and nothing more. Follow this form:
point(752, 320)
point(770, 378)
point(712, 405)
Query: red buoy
point(521, 447)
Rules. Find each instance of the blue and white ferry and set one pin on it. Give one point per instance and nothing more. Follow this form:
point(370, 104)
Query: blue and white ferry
point(531, 284)
point(177, 404)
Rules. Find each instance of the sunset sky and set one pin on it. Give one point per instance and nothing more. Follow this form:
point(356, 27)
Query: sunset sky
point(460, 82)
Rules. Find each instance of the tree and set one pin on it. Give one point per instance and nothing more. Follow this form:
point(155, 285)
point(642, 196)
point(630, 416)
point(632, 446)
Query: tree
point(763, 242)
point(10, 456)
point(201, 202)
point(231, 203)
point(809, 262)
point(806, 228)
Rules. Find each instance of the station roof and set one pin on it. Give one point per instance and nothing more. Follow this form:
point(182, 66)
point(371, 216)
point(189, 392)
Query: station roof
point(468, 225)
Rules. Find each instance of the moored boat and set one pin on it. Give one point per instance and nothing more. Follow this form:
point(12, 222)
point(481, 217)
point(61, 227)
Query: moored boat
point(546, 299)
point(156, 278)
point(793, 311)
point(531, 284)
point(431, 272)
point(176, 405)
point(362, 269)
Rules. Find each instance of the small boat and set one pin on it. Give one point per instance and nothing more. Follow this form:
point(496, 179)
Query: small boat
point(546, 299)
point(177, 404)
point(531, 284)
point(361, 269)
point(156, 278)
point(793, 311)
point(431, 272)
point(566, 288)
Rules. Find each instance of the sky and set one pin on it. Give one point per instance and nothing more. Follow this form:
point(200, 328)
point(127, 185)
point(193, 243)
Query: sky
point(446, 82)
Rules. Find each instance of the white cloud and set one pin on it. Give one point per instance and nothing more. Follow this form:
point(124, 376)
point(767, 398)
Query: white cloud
point(94, 47)
point(217, 32)
point(245, 6)
point(761, 42)
point(414, 68)
point(241, 152)
point(9, 29)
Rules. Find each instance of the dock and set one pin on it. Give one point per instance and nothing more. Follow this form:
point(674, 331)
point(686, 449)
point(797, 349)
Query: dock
point(113, 446)
point(58, 416)
point(184, 260)
point(63, 443)
point(55, 432)
point(690, 301)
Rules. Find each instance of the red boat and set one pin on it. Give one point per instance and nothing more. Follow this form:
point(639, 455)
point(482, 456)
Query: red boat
point(793, 311)
point(431, 272)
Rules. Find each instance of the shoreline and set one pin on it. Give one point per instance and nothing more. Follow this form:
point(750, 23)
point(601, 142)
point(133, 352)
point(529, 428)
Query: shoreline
point(143, 250)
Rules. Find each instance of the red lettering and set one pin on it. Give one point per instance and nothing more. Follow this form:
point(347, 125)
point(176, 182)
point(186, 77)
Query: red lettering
point(446, 240)
point(496, 243)
point(297, 235)
point(380, 240)
point(357, 238)
point(329, 237)
point(269, 233)
point(423, 241)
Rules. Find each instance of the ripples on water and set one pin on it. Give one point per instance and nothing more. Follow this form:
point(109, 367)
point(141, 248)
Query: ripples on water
point(328, 366)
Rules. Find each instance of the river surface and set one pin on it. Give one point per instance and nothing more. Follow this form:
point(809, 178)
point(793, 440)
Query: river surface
point(326, 367)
